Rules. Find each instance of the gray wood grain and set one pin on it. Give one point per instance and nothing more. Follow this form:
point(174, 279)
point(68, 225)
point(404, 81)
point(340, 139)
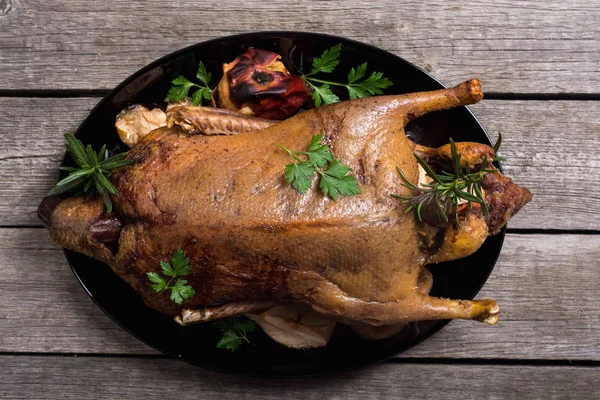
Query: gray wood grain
point(110, 378)
point(538, 47)
point(551, 148)
point(546, 286)
point(549, 145)
point(31, 148)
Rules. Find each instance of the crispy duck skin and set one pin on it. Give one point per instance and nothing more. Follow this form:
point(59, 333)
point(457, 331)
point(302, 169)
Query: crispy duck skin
point(251, 237)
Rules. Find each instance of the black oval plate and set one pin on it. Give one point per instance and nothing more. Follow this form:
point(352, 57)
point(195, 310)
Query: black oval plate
point(196, 344)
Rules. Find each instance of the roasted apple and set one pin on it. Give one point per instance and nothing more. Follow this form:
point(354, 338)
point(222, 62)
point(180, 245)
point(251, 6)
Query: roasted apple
point(257, 84)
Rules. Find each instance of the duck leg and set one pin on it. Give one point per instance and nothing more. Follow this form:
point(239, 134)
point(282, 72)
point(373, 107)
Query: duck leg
point(415, 105)
point(371, 332)
point(328, 299)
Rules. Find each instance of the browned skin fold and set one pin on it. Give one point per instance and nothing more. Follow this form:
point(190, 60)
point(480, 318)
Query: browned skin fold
point(250, 236)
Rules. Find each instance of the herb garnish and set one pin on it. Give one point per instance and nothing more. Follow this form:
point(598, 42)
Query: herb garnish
point(235, 331)
point(334, 177)
point(447, 189)
point(182, 85)
point(91, 174)
point(181, 266)
point(358, 86)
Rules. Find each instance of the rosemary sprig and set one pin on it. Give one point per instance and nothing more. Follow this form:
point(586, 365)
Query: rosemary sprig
point(92, 172)
point(448, 189)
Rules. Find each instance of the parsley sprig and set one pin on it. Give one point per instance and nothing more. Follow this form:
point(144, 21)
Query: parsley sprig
point(180, 267)
point(448, 189)
point(358, 86)
point(91, 174)
point(235, 332)
point(319, 159)
point(181, 87)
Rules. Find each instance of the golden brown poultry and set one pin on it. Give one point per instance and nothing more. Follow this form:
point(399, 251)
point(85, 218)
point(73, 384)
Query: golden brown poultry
point(254, 242)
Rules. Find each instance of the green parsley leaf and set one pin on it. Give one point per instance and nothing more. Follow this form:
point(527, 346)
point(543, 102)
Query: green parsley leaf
point(182, 86)
point(357, 93)
point(328, 60)
point(180, 267)
point(197, 97)
point(234, 332)
point(166, 269)
point(159, 282)
point(335, 181)
point(358, 73)
point(358, 86)
point(181, 264)
point(180, 291)
point(230, 341)
point(323, 95)
point(374, 83)
point(180, 89)
point(334, 177)
point(202, 74)
point(298, 175)
point(318, 154)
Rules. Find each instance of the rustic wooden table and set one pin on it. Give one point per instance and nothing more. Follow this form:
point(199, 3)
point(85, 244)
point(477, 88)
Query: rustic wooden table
point(539, 62)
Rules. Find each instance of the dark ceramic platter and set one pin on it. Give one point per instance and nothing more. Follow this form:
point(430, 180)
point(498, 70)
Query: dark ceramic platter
point(196, 344)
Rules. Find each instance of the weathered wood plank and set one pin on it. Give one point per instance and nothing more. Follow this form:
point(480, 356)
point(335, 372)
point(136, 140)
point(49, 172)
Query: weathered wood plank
point(109, 378)
point(543, 284)
point(550, 148)
point(546, 286)
point(31, 148)
point(537, 47)
point(56, 314)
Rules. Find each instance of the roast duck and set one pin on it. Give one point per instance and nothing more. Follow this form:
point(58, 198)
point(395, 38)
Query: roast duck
point(210, 181)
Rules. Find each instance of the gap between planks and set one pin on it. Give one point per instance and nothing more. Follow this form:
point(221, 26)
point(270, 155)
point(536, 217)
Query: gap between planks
point(77, 377)
point(100, 93)
point(392, 360)
point(511, 46)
